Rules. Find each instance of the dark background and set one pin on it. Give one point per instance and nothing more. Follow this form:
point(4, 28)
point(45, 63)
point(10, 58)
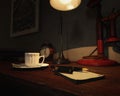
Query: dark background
point(79, 26)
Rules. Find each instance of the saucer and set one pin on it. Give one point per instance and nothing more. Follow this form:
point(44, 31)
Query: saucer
point(22, 65)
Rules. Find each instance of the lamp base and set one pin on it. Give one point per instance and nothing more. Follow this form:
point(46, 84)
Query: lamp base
point(96, 61)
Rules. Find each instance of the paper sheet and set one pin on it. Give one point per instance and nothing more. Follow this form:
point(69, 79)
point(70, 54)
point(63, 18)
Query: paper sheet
point(82, 75)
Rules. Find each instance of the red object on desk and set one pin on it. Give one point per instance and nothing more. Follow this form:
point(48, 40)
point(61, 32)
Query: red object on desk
point(97, 62)
point(100, 59)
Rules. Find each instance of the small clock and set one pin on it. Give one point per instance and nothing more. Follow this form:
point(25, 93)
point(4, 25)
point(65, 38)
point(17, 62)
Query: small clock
point(48, 51)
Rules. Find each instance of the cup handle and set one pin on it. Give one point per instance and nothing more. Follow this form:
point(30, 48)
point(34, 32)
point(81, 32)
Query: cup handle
point(43, 58)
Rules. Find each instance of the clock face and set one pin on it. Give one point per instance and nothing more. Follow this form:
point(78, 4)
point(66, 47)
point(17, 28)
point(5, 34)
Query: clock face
point(45, 52)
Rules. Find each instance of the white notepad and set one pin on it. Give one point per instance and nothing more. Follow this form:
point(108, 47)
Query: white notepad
point(76, 75)
point(81, 76)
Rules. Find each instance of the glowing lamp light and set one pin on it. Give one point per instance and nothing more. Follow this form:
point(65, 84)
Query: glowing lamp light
point(65, 1)
point(65, 5)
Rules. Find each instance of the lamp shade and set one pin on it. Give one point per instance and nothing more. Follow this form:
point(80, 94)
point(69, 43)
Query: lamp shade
point(65, 5)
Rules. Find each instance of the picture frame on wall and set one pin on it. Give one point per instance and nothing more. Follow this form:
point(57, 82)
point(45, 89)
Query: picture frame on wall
point(24, 17)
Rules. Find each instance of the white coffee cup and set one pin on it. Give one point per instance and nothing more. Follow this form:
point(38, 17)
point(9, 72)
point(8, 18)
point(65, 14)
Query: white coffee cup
point(32, 59)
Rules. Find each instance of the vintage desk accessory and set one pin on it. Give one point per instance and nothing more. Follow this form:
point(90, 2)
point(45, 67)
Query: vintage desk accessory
point(48, 51)
point(100, 59)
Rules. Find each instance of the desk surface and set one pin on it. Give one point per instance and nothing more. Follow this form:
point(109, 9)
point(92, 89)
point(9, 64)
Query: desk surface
point(110, 86)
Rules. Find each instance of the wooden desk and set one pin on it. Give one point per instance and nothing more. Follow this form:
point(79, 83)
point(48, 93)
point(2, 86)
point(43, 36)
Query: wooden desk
point(38, 81)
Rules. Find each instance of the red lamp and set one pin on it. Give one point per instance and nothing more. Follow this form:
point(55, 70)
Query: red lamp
point(112, 19)
point(100, 59)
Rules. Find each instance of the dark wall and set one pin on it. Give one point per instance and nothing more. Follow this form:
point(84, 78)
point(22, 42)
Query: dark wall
point(79, 26)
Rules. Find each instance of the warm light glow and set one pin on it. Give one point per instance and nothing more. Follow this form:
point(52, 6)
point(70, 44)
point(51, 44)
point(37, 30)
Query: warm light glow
point(70, 7)
point(65, 1)
point(65, 5)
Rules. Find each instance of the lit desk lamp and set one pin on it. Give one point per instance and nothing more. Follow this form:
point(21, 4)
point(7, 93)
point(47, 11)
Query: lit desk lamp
point(63, 5)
